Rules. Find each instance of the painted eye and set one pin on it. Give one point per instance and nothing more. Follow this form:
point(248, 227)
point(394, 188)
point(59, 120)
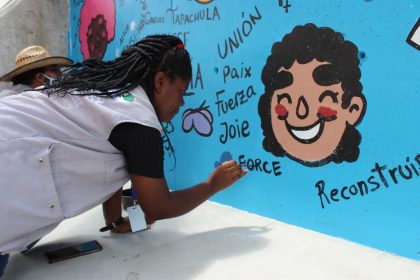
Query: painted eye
point(327, 112)
point(281, 111)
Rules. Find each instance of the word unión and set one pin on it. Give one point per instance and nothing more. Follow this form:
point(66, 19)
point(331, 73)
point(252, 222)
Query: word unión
point(243, 31)
point(371, 184)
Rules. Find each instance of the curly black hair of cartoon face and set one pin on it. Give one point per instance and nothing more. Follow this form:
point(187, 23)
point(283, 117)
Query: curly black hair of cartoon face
point(304, 44)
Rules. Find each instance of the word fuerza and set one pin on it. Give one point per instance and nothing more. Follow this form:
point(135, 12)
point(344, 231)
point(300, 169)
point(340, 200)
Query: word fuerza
point(382, 177)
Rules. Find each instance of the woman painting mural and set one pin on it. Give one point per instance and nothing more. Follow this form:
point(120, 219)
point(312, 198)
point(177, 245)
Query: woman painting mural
point(72, 146)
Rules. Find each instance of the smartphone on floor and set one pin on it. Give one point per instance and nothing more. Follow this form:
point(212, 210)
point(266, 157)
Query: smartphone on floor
point(73, 251)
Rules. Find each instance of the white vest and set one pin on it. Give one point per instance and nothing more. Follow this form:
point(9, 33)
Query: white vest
point(15, 89)
point(56, 160)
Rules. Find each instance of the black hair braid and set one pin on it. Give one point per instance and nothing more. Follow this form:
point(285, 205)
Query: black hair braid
point(137, 65)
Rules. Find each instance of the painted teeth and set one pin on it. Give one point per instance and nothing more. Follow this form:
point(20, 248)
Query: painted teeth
point(307, 134)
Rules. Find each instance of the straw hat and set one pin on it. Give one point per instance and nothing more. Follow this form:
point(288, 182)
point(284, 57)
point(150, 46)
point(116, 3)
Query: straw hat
point(34, 57)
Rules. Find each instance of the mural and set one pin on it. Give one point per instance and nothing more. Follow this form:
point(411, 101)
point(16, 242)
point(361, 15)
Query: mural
point(97, 27)
point(414, 36)
point(201, 119)
point(320, 106)
point(313, 98)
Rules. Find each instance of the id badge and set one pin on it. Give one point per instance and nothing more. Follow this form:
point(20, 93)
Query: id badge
point(136, 217)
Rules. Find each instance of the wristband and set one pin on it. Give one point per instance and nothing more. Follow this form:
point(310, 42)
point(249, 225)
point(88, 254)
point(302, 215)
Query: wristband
point(112, 225)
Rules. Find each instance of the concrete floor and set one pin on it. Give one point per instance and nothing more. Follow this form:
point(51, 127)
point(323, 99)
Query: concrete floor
point(212, 242)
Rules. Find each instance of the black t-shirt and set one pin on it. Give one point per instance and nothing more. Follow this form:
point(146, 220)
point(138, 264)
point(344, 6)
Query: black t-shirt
point(142, 147)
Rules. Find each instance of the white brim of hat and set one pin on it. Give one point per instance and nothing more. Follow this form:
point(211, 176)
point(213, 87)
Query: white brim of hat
point(52, 60)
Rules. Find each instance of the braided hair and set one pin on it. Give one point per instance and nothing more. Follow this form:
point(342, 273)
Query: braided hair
point(137, 65)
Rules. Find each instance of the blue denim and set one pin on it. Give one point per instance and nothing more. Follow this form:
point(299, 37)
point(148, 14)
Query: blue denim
point(3, 261)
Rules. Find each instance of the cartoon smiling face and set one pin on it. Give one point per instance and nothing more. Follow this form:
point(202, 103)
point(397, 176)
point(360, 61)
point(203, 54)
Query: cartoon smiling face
point(307, 117)
point(313, 97)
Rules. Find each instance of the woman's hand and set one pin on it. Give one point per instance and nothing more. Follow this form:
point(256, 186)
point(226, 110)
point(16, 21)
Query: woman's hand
point(225, 175)
point(124, 227)
point(158, 202)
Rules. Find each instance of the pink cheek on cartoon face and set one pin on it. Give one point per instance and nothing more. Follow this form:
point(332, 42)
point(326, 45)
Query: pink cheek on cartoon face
point(281, 111)
point(327, 112)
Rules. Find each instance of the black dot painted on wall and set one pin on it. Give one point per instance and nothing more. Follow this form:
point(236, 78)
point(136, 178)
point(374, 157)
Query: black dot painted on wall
point(362, 56)
point(216, 70)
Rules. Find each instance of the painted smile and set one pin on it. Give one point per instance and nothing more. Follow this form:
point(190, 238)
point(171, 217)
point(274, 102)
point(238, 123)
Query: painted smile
point(307, 134)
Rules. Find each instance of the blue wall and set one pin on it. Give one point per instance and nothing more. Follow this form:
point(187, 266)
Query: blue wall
point(372, 196)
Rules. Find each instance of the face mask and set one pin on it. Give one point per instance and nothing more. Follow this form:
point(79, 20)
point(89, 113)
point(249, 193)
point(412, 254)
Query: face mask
point(50, 81)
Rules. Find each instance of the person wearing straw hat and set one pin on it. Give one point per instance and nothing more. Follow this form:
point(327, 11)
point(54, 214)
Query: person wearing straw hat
point(35, 67)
